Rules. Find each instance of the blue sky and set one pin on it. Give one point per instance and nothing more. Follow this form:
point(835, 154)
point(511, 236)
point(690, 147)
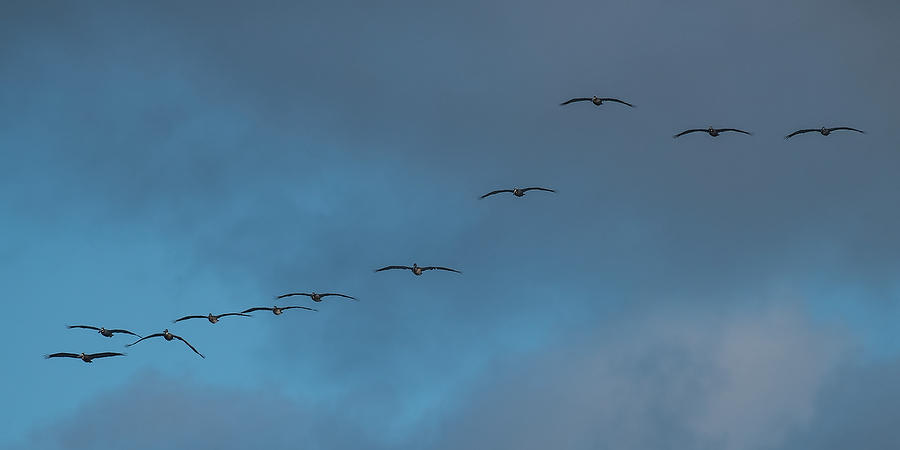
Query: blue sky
point(738, 292)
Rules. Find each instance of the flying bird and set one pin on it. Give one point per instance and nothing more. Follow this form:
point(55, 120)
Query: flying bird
point(595, 100)
point(168, 336)
point(416, 270)
point(825, 131)
point(277, 310)
point(213, 318)
point(517, 192)
point(83, 356)
point(712, 131)
point(314, 296)
point(104, 331)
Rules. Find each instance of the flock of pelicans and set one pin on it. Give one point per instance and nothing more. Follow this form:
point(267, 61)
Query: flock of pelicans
point(415, 269)
point(825, 131)
point(212, 318)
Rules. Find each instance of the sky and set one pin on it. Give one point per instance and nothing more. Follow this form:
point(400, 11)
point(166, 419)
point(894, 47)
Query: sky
point(169, 158)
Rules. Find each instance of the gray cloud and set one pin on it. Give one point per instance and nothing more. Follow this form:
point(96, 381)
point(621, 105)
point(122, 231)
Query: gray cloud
point(679, 380)
point(159, 411)
point(856, 409)
point(698, 382)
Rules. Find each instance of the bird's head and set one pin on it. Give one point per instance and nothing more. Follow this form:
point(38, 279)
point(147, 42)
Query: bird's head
point(82, 355)
point(101, 330)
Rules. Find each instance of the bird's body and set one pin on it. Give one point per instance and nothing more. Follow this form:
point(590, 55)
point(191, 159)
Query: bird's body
point(167, 335)
point(103, 331)
point(824, 131)
point(595, 100)
point(276, 309)
point(213, 318)
point(518, 192)
point(83, 356)
point(711, 131)
point(416, 269)
point(316, 297)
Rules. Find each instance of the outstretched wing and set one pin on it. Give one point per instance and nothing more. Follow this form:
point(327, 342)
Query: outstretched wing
point(799, 132)
point(579, 99)
point(848, 128)
point(145, 337)
point(300, 307)
point(440, 268)
point(393, 267)
point(258, 308)
point(189, 317)
point(733, 129)
point(189, 345)
point(65, 355)
point(537, 189)
point(104, 355)
point(124, 331)
point(84, 326)
point(689, 131)
point(616, 100)
point(234, 314)
point(293, 294)
point(337, 295)
point(496, 192)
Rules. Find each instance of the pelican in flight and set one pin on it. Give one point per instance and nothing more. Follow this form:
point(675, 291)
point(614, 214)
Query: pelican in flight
point(416, 270)
point(825, 131)
point(316, 297)
point(712, 131)
point(168, 336)
point(595, 100)
point(277, 310)
point(213, 318)
point(83, 356)
point(516, 191)
point(104, 331)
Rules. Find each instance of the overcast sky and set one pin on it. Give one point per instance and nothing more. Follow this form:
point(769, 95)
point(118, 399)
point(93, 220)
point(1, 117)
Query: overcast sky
point(172, 158)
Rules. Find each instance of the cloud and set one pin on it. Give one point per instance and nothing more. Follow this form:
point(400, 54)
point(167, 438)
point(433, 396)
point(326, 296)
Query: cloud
point(858, 408)
point(159, 411)
point(686, 381)
point(680, 380)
